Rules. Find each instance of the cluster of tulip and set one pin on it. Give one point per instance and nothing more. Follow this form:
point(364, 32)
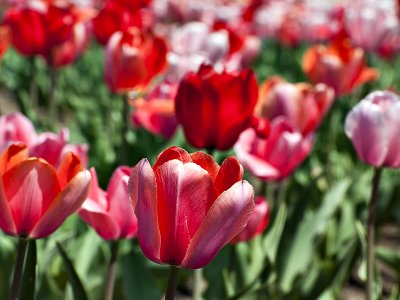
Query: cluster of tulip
point(185, 64)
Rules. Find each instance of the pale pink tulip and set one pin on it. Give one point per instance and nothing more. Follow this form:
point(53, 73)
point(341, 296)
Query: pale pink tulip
point(110, 213)
point(373, 126)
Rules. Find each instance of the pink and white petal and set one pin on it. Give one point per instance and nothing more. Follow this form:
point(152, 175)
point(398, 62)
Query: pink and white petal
point(256, 165)
point(65, 204)
point(393, 129)
point(143, 196)
point(96, 199)
point(31, 186)
point(225, 219)
point(119, 206)
point(102, 223)
point(365, 126)
point(185, 194)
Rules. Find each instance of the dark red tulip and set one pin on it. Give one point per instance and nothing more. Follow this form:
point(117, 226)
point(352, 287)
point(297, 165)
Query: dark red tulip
point(36, 29)
point(215, 108)
point(112, 18)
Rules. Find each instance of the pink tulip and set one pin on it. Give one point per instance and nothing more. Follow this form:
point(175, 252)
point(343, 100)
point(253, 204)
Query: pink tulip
point(36, 198)
point(276, 157)
point(368, 24)
point(156, 113)
point(110, 213)
point(257, 223)
point(302, 104)
point(15, 127)
point(373, 126)
point(188, 207)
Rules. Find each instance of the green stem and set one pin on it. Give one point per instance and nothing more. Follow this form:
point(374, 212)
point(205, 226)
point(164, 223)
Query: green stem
point(33, 87)
point(172, 281)
point(371, 233)
point(18, 269)
point(124, 129)
point(197, 284)
point(53, 110)
point(111, 271)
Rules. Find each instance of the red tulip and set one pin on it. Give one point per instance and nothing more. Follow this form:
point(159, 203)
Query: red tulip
point(278, 156)
point(110, 213)
point(188, 207)
point(67, 52)
point(38, 27)
point(215, 108)
point(338, 65)
point(257, 223)
point(302, 104)
point(36, 198)
point(4, 39)
point(112, 18)
point(132, 59)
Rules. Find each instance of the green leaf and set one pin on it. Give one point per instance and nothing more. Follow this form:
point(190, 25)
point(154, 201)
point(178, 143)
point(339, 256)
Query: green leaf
point(138, 283)
point(301, 251)
point(390, 257)
point(28, 287)
point(73, 278)
point(273, 237)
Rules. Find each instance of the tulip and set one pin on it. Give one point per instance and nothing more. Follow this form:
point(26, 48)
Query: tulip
point(51, 147)
point(188, 207)
point(257, 223)
point(36, 198)
point(4, 39)
point(112, 18)
point(156, 113)
point(278, 156)
point(369, 23)
point(132, 59)
point(110, 213)
point(302, 104)
point(71, 49)
point(373, 126)
point(215, 108)
point(338, 65)
point(37, 27)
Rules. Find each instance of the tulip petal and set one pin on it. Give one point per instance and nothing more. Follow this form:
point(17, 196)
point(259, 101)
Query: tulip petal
point(6, 220)
point(207, 162)
point(231, 171)
point(179, 213)
point(69, 167)
point(31, 187)
point(119, 206)
point(225, 219)
point(66, 203)
point(143, 196)
point(170, 154)
point(103, 223)
point(13, 155)
point(365, 126)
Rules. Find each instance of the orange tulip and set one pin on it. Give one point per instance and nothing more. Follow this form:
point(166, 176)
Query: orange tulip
point(338, 65)
point(36, 198)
